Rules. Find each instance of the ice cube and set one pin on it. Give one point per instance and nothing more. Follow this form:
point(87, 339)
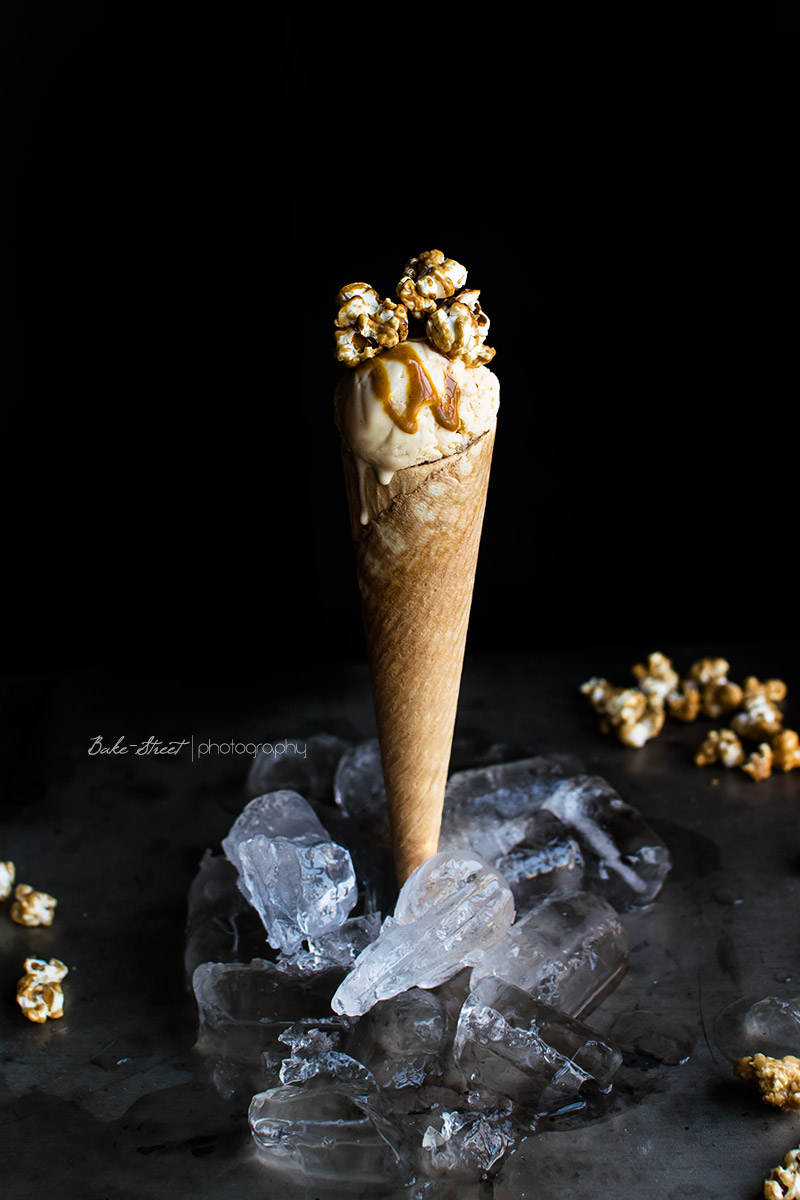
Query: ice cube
point(329, 1132)
point(466, 1144)
point(518, 1047)
point(549, 859)
point(759, 1025)
point(564, 952)
point(299, 891)
point(301, 883)
point(626, 862)
point(358, 787)
point(401, 1040)
point(306, 765)
point(448, 912)
point(221, 926)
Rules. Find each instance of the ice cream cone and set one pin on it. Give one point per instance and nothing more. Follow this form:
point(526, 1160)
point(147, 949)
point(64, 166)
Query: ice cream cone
point(416, 555)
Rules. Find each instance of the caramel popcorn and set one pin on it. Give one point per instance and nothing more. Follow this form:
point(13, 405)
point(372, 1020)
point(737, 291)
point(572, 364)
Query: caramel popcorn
point(720, 699)
point(39, 993)
point(784, 1182)
point(786, 750)
point(7, 874)
point(365, 324)
point(759, 718)
point(649, 724)
point(620, 706)
point(721, 745)
point(709, 670)
point(429, 279)
point(772, 689)
point(656, 677)
point(458, 329)
point(778, 1078)
point(759, 764)
point(31, 907)
point(685, 704)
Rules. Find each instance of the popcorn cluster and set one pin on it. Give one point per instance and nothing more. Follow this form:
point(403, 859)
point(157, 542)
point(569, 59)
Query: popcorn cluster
point(784, 1182)
point(778, 1079)
point(455, 323)
point(637, 714)
point(39, 993)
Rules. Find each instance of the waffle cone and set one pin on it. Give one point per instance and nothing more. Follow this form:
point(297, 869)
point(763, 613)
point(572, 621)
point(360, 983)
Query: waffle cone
point(416, 560)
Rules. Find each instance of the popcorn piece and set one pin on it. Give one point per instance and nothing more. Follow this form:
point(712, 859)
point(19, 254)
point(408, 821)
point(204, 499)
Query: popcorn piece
point(39, 993)
point(709, 670)
point(784, 1182)
point(786, 750)
point(772, 689)
point(685, 704)
point(656, 677)
point(365, 324)
point(7, 874)
point(649, 725)
point(778, 1078)
point(721, 698)
point(459, 328)
point(429, 279)
point(759, 718)
point(721, 745)
point(31, 907)
point(759, 764)
point(619, 705)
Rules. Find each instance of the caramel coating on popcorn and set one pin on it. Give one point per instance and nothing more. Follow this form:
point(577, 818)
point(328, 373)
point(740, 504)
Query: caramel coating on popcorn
point(758, 719)
point(778, 1079)
point(429, 279)
point(39, 993)
point(458, 329)
point(32, 908)
point(365, 324)
point(709, 670)
point(784, 1182)
point(619, 705)
point(656, 677)
point(786, 750)
point(772, 689)
point(7, 874)
point(721, 745)
point(685, 704)
point(759, 764)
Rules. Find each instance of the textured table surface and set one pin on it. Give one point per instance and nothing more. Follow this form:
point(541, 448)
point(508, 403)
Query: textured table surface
point(110, 1102)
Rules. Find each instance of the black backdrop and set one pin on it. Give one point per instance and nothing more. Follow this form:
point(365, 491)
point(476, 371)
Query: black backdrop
point(190, 184)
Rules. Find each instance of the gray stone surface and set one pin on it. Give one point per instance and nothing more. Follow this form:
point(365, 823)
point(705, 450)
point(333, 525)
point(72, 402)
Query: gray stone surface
point(111, 1102)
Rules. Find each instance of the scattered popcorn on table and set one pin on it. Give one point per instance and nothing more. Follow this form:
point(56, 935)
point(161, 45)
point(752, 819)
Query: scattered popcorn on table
point(637, 714)
point(784, 1182)
point(7, 874)
point(39, 993)
point(786, 750)
point(721, 745)
point(778, 1078)
point(31, 907)
point(759, 764)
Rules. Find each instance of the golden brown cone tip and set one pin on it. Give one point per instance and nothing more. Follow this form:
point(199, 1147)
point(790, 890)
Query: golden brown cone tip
point(416, 558)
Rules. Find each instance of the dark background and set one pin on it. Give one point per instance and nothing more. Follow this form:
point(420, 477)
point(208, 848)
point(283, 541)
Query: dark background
point(190, 184)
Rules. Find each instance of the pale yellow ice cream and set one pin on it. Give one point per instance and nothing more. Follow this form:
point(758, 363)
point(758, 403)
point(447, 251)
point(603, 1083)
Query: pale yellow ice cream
point(412, 405)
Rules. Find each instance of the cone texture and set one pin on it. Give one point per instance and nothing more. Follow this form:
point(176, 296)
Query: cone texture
point(416, 562)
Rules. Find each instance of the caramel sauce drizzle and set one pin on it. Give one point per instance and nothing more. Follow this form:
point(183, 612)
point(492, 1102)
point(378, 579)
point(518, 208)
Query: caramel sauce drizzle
point(421, 390)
